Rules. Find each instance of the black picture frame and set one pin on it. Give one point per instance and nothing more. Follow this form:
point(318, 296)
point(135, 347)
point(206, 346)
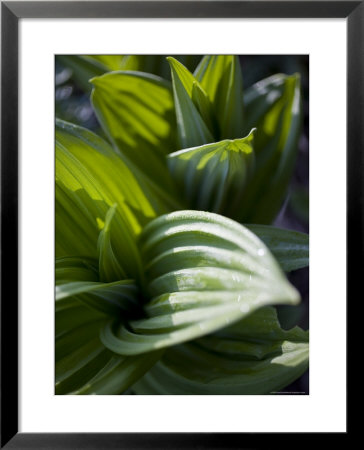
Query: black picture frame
point(11, 12)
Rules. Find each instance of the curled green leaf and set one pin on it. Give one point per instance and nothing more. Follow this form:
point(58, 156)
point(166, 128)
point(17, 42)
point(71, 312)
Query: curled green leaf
point(203, 272)
point(83, 364)
point(254, 356)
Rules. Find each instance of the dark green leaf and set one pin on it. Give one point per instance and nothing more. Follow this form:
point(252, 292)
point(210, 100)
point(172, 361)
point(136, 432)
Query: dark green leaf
point(275, 103)
point(291, 248)
point(254, 356)
point(83, 365)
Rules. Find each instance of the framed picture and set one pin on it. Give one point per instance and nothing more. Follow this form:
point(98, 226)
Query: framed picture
point(190, 306)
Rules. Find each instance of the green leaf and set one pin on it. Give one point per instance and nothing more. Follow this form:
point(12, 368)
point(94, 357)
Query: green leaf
point(254, 356)
point(83, 364)
point(85, 67)
point(118, 374)
point(109, 298)
point(192, 130)
point(76, 268)
point(110, 268)
point(136, 112)
point(275, 104)
point(220, 76)
point(203, 273)
point(90, 178)
point(79, 277)
point(291, 248)
point(213, 177)
point(195, 92)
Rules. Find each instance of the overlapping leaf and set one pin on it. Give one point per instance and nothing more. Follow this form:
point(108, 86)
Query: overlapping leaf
point(202, 280)
point(78, 277)
point(213, 177)
point(191, 128)
point(291, 248)
point(136, 112)
point(91, 178)
point(203, 272)
point(253, 356)
point(220, 76)
point(185, 83)
point(83, 364)
point(274, 106)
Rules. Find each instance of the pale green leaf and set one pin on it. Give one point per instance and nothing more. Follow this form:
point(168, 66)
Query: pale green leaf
point(254, 356)
point(135, 110)
point(90, 178)
point(213, 177)
point(203, 272)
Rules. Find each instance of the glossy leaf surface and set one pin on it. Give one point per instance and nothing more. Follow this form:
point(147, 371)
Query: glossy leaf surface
point(253, 356)
point(203, 272)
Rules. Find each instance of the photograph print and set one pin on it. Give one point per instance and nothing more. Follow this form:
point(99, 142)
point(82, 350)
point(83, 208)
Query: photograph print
point(181, 224)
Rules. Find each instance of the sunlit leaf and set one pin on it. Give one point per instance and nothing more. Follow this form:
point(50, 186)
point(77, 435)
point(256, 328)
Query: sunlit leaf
point(203, 272)
point(213, 177)
point(110, 268)
point(220, 76)
point(135, 111)
point(254, 356)
point(90, 178)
